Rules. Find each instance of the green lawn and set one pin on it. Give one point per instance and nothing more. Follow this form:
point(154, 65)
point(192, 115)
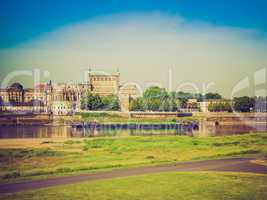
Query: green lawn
point(50, 158)
point(105, 117)
point(163, 186)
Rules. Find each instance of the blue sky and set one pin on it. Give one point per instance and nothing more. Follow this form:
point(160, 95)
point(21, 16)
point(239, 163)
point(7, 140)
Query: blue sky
point(22, 21)
point(214, 43)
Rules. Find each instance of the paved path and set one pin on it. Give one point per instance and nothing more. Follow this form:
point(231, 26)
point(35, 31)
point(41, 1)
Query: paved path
point(229, 164)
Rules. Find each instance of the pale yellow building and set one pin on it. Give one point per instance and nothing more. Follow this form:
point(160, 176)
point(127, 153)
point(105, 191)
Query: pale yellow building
point(126, 93)
point(57, 98)
point(104, 84)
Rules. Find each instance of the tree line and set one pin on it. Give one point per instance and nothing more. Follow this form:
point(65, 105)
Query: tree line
point(158, 99)
point(95, 102)
point(241, 104)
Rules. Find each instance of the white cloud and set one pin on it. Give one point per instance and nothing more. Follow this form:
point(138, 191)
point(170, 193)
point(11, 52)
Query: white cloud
point(144, 47)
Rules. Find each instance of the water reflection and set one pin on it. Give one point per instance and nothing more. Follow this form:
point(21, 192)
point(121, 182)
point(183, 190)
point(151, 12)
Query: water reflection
point(221, 130)
point(66, 131)
point(26, 131)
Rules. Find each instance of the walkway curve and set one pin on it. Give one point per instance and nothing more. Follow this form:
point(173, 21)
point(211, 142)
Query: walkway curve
point(228, 164)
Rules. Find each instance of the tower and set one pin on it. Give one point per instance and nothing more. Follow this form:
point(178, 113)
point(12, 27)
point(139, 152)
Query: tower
point(104, 84)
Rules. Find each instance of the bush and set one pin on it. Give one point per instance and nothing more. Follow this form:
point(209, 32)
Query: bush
point(64, 170)
point(28, 153)
point(150, 157)
point(11, 175)
point(70, 142)
point(99, 114)
point(47, 142)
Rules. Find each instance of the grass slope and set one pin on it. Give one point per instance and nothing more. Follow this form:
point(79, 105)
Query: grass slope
point(50, 158)
point(164, 186)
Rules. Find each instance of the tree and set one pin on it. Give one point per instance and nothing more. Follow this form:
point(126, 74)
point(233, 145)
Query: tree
point(110, 102)
point(136, 104)
point(211, 107)
point(220, 107)
point(1, 101)
point(154, 92)
point(156, 99)
point(172, 103)
point(228, 107)
point(91, 102)
point(152, 104)
point(95, 102)
point(183, 98)
point(211, 95)
point(153, 98)
point(244, 104)
point(84, 102)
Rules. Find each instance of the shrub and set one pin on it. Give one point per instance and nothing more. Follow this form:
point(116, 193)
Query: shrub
point(150, 157)
point(70, 142)
point(11, 175)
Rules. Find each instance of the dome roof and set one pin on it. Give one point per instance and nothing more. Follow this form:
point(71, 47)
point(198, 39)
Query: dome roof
point(16, 86)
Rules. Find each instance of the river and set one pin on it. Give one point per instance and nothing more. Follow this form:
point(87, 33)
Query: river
point(67, 131)
point(70, 131)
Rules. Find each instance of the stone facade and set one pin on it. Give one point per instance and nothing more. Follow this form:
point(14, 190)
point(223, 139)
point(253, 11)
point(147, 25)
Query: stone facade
point(126, 93)
point(104, 84)
point(68, 93)
point(204, 106)
point(62, 108)
point(109, 84)
point(49, 97)
point(16, 98)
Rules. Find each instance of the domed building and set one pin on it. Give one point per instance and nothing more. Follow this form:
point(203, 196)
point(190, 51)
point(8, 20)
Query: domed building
point(64, 98)
point(16, 86)
point(15, 93)
point(16, 98)
point(60, 99)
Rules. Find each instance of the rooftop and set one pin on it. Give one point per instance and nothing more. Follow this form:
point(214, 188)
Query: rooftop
point(102, 73)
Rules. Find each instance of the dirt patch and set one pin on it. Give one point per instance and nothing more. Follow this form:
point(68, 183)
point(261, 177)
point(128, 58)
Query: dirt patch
point(260, 162)
point(33, 143)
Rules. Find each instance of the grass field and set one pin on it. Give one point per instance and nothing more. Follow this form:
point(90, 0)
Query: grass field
point(163, 186)
point(22, 159)
point(115, 118)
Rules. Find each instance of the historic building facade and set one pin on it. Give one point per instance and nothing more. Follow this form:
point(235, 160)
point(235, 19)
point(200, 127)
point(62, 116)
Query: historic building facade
point(126, 93)
point(64, 98)
point(16, 98)
point(104, 84)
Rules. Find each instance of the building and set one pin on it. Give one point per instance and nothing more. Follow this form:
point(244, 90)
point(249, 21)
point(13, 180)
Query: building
point(69, 93)
point(126, 93)
point(17, 99)
point(104, 84)
point(62, 108)
point(64, 98)
point(192, 105)
point(42, 97)
point(204, 105)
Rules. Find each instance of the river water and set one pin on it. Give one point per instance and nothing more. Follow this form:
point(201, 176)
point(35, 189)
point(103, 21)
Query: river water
point(67, 131)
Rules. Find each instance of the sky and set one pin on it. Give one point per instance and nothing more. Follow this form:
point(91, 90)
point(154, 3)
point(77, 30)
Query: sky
point(194, 45)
